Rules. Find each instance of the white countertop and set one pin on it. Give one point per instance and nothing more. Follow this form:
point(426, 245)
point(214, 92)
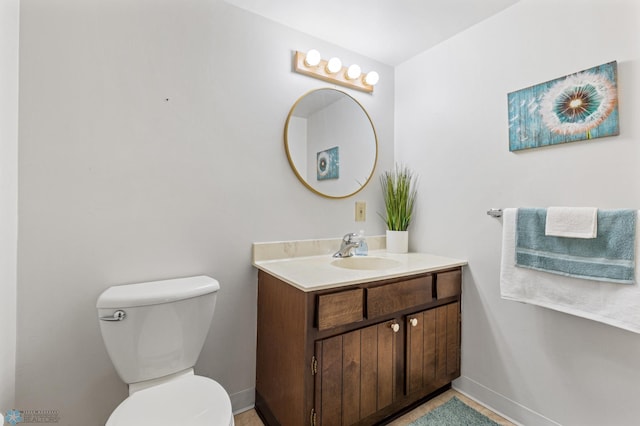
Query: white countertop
point(310, 273)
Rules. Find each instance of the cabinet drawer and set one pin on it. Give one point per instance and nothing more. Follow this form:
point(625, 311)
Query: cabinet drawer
point(390, 298)
point(448, 284)
point(340, 308)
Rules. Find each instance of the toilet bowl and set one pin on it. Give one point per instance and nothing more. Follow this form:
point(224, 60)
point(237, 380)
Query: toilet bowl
point(154, 332)
point(192, 400)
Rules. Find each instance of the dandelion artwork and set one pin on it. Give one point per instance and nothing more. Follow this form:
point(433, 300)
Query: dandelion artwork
point(576, 107)
point(328, 164)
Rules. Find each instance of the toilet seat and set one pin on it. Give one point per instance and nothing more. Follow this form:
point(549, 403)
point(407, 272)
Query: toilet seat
point(189, 401)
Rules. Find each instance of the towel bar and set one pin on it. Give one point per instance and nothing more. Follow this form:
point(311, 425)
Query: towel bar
point(494, 212)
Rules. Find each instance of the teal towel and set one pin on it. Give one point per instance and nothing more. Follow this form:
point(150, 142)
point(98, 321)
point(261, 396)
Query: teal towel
point(608, 257)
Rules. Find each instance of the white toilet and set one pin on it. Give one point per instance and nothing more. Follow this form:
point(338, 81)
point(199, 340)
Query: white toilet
point(154, 332)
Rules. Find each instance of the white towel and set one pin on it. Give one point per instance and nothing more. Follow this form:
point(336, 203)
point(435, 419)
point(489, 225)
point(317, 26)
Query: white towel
point(609, 303)
point(572, 222)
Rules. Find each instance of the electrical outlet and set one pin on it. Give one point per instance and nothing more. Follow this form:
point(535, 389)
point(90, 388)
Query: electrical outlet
point(361, 211)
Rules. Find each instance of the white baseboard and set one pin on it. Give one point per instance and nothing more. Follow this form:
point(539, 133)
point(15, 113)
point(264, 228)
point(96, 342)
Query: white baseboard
point(243, 400)
point(500, 404)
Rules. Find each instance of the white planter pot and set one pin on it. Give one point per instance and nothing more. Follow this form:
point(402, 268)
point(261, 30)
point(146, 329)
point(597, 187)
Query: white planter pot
point(397, 241)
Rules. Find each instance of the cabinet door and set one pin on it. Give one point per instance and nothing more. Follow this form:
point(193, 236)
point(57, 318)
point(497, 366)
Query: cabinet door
point(356, 374)
point(433, 348)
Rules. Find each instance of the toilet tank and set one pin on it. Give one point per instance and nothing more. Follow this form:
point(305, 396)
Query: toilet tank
point(164, 327)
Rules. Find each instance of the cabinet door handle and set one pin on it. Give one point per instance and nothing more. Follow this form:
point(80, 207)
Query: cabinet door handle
point(413, 322)
point(395, 327)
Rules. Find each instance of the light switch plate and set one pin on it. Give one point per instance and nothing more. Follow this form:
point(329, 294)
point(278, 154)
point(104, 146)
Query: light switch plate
point(361, 211)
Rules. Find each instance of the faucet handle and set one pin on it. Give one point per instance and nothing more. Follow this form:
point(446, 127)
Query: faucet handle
point(348, 237)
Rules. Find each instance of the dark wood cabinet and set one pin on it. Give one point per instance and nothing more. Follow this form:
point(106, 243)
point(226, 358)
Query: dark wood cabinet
point(433, 348)
point(356, 374)
point(358, 354)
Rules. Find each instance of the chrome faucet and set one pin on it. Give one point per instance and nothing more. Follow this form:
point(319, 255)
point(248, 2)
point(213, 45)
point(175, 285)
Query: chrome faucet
point(347, 245)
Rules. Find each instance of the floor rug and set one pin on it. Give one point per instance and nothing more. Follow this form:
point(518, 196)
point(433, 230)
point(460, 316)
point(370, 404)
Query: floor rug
point(454, 413)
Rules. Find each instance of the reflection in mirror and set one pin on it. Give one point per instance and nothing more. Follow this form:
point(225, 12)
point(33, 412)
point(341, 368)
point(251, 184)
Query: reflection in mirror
point(331, 143)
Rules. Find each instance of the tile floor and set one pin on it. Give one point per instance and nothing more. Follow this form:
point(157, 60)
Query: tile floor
point(250, 418)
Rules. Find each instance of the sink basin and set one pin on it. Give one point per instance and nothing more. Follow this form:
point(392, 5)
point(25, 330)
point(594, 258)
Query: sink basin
point(365, 263)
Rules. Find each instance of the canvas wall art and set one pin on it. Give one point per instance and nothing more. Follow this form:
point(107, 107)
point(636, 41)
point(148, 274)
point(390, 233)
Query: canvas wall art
point(328, 164)
point(576, 107)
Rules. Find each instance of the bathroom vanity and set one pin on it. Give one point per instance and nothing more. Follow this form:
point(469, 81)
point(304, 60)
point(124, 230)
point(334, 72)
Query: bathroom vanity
point(354, 341)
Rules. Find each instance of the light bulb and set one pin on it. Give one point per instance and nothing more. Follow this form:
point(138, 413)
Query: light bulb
point(353, 72)
point(312, 58)
point(334, 65)
point(371, 78)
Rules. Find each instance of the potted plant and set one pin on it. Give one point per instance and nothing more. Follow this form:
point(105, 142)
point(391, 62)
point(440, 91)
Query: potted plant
point(399, 190)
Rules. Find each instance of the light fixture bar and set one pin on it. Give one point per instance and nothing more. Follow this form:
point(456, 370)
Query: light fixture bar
point(320, 71)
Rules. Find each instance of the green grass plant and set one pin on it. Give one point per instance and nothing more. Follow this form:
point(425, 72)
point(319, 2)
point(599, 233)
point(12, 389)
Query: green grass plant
point(399, 191)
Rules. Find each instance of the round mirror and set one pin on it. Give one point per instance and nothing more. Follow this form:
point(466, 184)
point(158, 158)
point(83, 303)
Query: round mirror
point(331, 143)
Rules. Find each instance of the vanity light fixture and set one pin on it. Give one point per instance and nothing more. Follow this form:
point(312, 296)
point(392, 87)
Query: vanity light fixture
point(354, 72)
point(334, 65)
point(312, 59)
point(371, 78)
point(332, 71)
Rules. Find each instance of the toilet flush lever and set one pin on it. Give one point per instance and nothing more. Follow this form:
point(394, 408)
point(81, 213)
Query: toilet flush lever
point(117, 316)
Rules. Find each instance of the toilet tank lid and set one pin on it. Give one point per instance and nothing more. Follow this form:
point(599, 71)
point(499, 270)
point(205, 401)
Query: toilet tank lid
point(156, 292)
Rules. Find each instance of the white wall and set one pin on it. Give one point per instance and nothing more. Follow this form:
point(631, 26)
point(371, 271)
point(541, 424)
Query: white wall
point(535, 365)
point(9, 32)
point(151, 147)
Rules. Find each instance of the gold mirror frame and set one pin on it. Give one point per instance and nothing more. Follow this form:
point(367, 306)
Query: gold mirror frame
point(303, 180)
